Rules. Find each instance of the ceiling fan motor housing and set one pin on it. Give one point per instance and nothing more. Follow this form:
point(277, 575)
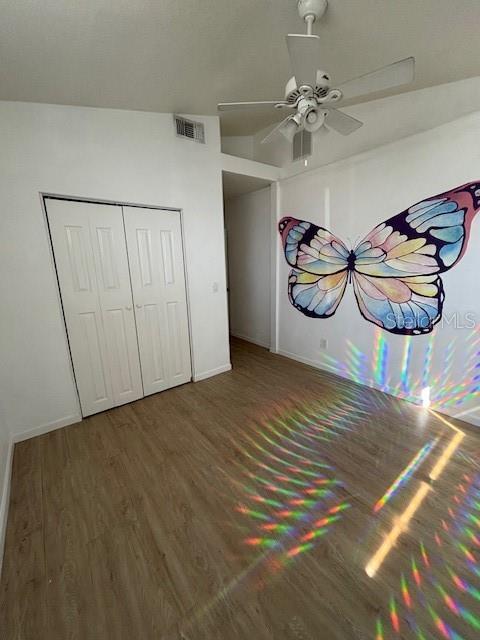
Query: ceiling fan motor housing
point(320, 90)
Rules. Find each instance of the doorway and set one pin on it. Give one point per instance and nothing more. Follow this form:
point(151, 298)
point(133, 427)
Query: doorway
point(248, 215)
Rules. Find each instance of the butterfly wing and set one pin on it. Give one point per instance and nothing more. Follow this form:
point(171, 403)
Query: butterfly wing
point(312, 249)
point(429, 237)
point(317, 282)
point(408, 306)
point(316, 296)
point(396, 279)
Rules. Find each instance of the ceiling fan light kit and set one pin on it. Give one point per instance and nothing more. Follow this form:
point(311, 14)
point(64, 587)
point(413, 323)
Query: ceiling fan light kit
point(309, 95)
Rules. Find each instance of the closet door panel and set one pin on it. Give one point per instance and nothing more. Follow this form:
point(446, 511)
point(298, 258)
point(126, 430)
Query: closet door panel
point(155, 252)
point(115, 293)
point(174, 323)
point(149, 312)
point(93, 355)
point(143, 247)
point(153, 343)
point(70, 233)
point(91, 259)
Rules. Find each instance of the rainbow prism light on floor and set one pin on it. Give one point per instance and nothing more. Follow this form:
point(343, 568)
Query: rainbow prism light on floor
point(395, 269)
point(290, 494)
point(406, 474)
point(451, 596)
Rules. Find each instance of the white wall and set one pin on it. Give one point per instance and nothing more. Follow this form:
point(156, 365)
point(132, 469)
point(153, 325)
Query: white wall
point(106, 154)
point(247, 221)
point(241, 146)
point(350, 198)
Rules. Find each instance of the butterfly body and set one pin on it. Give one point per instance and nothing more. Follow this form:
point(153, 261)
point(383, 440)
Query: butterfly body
point(351, 260)
point(394, 269)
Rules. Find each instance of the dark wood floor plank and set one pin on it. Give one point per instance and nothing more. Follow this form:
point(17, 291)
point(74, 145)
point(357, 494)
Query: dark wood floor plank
point(246, 507)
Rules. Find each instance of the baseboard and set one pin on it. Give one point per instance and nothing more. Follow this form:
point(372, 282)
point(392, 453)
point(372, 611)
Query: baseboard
point(260, 343)
point(5, 500)
point(212, 372)
point(472, 416)
point(467, 416)
point(294, 356)
point(45, 428)
point(340, 374)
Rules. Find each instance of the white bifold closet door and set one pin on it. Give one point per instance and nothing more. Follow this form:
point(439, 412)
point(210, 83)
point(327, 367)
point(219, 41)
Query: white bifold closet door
point(122, 283)
point(154, 241)
point(92, 266)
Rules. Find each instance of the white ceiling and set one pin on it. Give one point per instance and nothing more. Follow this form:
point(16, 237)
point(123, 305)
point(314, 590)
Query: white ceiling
point(235, 184)
point(185, 56)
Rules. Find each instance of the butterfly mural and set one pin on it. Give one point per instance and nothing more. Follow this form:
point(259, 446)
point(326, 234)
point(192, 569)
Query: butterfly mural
point(394, 269)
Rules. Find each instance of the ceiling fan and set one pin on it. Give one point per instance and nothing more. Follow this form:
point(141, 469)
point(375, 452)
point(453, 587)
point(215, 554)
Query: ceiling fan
point(309, 96)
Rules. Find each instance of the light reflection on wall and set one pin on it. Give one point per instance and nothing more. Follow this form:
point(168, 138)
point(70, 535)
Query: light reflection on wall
point(409, 378)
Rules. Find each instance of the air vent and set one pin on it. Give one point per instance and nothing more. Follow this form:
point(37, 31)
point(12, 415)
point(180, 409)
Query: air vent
point(302, 145)
point(190, 129)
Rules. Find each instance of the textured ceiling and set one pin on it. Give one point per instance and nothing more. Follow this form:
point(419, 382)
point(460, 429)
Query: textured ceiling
point(165, 55)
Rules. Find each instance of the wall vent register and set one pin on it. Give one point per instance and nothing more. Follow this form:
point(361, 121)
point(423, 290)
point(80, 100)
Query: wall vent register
point(190, 129)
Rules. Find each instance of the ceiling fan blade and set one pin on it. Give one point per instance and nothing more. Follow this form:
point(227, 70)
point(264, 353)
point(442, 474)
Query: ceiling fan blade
point(393, 75)
point(230, 106)
point(322, 132)
point(304, 52)
point(290, 129)
point(341, 123)
point(281, 128)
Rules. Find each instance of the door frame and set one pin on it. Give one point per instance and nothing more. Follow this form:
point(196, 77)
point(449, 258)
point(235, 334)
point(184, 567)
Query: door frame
point(44, 196)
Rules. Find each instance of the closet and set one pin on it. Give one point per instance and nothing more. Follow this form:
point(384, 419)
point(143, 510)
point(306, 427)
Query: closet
point(122, 285)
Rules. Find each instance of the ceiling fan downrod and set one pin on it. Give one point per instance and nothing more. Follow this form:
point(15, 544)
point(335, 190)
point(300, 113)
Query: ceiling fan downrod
point(310, 11)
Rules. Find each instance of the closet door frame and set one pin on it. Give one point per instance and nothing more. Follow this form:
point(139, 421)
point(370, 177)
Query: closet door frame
point(56, 196)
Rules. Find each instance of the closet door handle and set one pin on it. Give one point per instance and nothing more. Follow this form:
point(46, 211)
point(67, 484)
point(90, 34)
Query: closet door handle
point(139, 306)
point(128, 308)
